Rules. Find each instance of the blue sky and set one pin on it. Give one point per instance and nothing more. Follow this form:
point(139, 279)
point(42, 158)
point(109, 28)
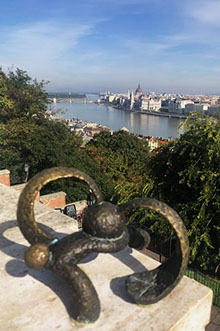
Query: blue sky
point(99, 45)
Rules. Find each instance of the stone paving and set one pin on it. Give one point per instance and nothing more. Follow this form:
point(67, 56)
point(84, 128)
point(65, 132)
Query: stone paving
point(214, 325)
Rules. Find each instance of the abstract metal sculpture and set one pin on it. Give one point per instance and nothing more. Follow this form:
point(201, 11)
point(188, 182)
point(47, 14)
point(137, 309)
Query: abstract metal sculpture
point(103, 230)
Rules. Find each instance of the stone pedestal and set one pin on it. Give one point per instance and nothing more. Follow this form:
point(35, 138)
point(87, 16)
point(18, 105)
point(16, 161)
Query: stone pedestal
point(37, 300)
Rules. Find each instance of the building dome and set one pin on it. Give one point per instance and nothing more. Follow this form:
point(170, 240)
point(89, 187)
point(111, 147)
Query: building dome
point(139, 90)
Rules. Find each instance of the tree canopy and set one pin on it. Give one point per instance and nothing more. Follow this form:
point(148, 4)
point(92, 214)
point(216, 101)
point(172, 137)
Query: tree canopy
point(20, 96)
point(122, 158)
point(27, 135)
point(185, 174)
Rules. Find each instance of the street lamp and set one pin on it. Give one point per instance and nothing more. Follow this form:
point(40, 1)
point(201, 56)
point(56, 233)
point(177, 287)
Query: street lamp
point(26, 169)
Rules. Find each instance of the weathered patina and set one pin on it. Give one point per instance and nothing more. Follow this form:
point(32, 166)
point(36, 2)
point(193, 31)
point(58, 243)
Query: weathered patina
point(103, 230)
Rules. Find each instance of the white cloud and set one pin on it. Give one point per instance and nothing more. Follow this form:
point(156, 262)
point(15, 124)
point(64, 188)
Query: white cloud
point(147, 47)
point(41, 46)
point(205, 11)
point(73, 55)
point(183, 37)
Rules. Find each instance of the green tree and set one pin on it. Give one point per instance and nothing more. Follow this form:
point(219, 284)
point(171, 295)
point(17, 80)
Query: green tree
point(44, 146)
point(124, 143)
point(6, 104)
point(186, 175)
point(27, 135)
point(122, 158)
point(20, 96)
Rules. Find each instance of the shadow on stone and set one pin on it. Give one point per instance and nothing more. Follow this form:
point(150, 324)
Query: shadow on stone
point(117, 286)
point(126, 258)
point(17, 268)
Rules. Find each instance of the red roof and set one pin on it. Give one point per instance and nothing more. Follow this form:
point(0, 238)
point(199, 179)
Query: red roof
point(162, 142)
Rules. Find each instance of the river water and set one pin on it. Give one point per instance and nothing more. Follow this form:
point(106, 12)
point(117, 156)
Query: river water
point(115, 119)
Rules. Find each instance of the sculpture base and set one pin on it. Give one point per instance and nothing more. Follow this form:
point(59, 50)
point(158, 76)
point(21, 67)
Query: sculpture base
point(38, 300)
point(30, 305)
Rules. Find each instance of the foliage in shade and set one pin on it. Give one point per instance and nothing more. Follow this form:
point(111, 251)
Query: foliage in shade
point(186, 175)
point(122, 157)
point(6, 104)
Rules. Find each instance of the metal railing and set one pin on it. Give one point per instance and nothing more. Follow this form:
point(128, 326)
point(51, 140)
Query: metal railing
point(207, 281)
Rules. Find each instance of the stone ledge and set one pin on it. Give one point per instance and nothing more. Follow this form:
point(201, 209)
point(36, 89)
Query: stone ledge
point(52, 196)
point(51, 219)
point(42, 300)
point(38, 300)
point(19, 187)
point(4, 172)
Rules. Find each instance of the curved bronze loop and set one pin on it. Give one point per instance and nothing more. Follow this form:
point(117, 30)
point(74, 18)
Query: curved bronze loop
point(25, 212)
point(103, 230)
point(151, 286)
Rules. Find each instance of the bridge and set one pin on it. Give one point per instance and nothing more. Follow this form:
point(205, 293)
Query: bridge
point(55, 100)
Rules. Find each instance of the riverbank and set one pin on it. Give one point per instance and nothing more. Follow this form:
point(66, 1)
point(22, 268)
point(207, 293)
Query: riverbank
point(87, 131)
point(116, 118)
point(146, 112)
point(170, 115)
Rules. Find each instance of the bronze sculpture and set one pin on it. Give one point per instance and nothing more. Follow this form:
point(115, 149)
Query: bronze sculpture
point(103, 230)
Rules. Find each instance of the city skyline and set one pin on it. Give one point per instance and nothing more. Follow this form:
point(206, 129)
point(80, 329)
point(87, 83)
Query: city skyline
point(99, 45)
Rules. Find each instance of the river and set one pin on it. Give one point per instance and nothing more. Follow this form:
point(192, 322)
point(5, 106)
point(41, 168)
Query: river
point(115, 119)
